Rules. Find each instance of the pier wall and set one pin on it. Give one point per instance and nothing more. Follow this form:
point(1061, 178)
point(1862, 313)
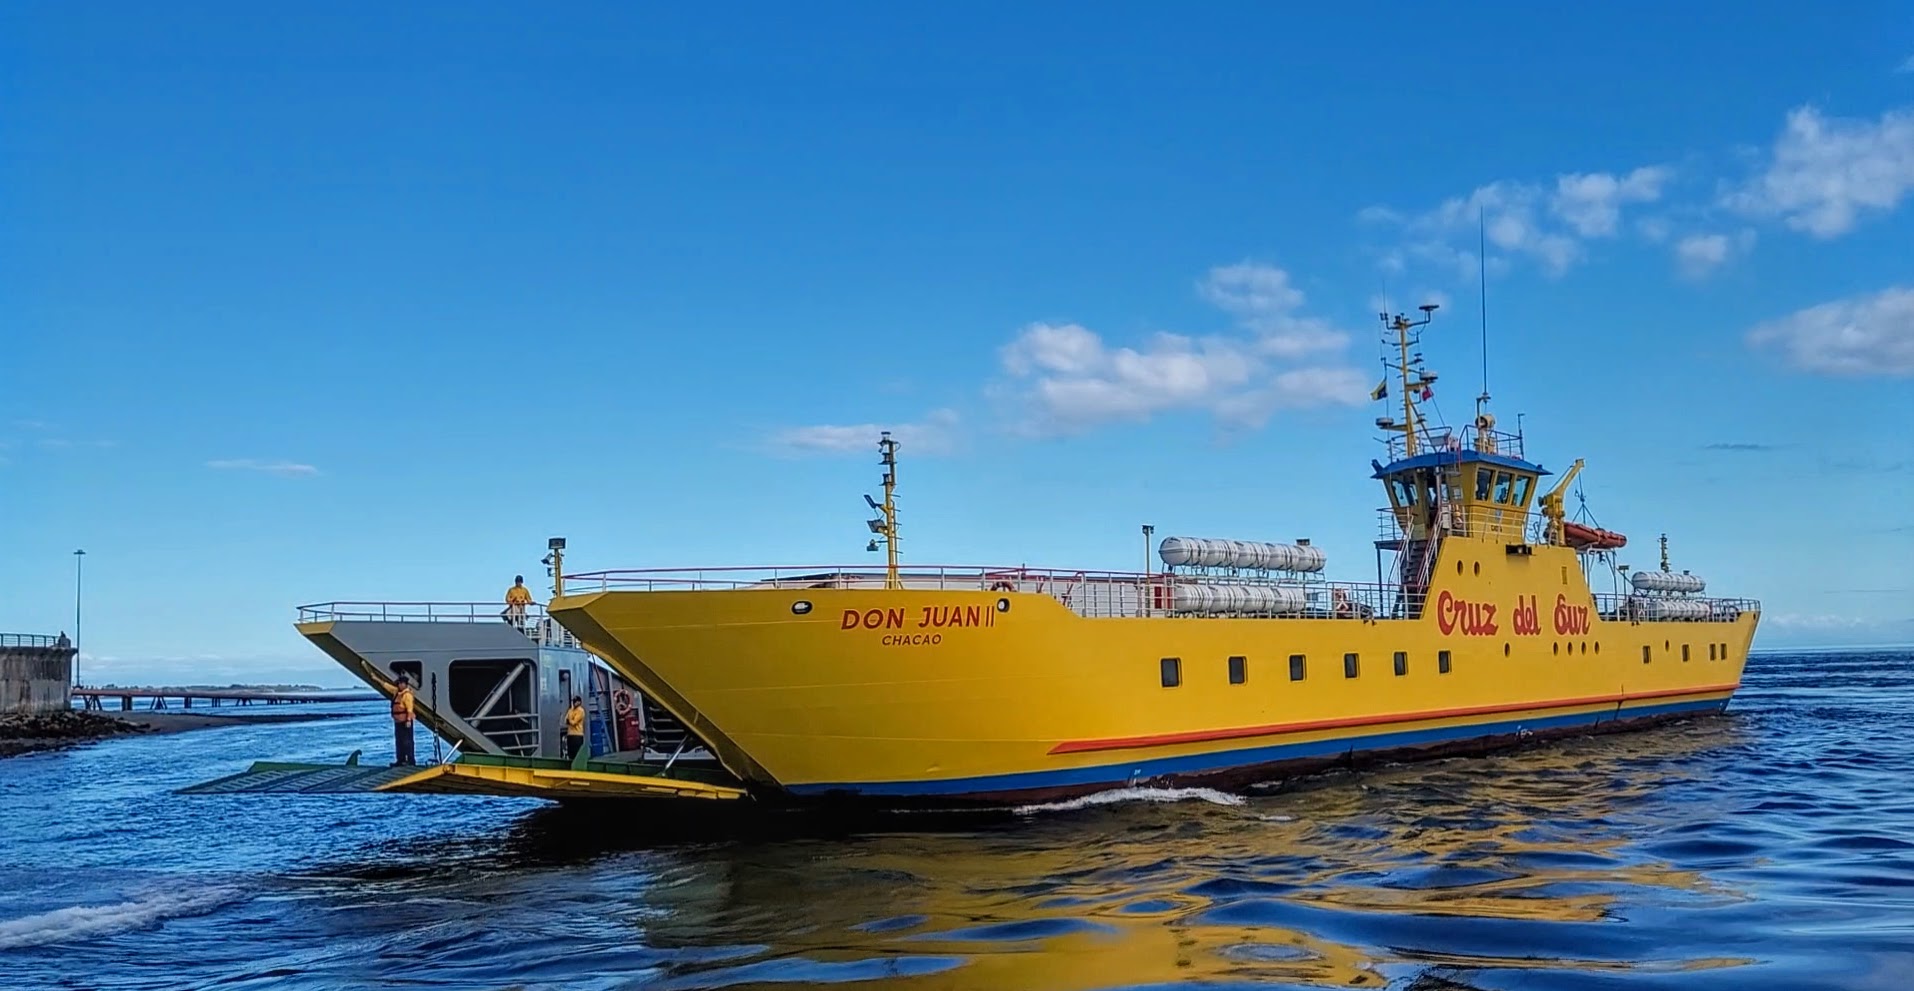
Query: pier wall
point(35, 678)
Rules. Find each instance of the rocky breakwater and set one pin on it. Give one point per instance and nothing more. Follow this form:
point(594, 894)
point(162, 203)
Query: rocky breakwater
point(24, 733)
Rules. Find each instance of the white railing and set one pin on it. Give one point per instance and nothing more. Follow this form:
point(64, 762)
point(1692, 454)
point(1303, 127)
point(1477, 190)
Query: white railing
point(533, 622)
point(1093, 594)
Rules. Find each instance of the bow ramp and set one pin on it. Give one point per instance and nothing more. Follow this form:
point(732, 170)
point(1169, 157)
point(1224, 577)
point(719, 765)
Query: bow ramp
point(475, 774)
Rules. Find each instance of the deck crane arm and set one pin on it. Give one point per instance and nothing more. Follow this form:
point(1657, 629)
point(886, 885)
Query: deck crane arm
point(1551, 502)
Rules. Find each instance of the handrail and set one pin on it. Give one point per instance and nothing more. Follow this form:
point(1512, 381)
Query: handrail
point(29, 640)
point(1100, 593)
point(422, 611)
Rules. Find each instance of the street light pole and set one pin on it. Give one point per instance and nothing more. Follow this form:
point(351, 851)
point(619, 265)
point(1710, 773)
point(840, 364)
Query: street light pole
point(79, 561)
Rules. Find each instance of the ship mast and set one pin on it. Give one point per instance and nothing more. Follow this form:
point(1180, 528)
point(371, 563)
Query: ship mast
point(886, 526)
point(1409, 376)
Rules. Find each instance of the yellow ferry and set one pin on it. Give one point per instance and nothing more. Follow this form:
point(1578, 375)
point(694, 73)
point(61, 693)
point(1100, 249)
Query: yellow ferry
point(1237, 662)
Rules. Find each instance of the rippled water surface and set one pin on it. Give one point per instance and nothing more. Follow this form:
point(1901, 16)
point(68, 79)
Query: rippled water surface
point(1769, 848)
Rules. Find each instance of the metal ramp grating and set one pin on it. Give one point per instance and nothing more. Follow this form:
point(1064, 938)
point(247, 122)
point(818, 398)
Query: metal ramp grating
point(308, 779)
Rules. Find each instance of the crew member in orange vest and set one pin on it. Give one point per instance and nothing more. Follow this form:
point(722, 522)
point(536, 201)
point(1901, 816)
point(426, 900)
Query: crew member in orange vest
point(402, 723)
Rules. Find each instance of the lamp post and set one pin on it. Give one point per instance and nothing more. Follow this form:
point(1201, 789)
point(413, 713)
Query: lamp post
point(79, 562)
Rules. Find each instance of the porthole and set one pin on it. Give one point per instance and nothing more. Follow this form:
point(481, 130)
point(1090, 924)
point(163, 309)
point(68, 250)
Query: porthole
point(800, 607)
point(1598, 648)
point(1478, 567)
point(1458, 567)
point(1003, 605)
point(1505, 649)
point(1558, 646)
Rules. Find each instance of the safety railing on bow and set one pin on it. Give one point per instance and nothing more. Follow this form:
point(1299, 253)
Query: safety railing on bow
point(1088, 593)
point(531, 620)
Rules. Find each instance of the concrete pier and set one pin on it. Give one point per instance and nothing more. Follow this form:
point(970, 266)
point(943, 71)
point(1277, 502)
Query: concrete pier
point(36, 673)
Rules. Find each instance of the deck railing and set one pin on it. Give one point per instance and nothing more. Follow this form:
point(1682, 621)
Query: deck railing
point(1434, 440)
point(1501, 522)
point(1107, 594)
point(28, 640)
point(535, 624)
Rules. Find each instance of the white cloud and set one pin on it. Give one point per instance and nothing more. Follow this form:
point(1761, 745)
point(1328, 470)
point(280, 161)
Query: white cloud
point(1697, 255)
point(937, 434)
point(1824, 173)
point(1067, 378)
point(1547, 225)
point(288, 469)
point(1263, 301)
point(1592, 203)
point(1862, 335)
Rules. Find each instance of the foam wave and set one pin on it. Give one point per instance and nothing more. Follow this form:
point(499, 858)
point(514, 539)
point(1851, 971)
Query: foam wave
point(1117, 795)
point(92, 921)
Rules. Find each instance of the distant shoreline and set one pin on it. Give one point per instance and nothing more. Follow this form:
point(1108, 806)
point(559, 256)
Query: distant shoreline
point(45, 732)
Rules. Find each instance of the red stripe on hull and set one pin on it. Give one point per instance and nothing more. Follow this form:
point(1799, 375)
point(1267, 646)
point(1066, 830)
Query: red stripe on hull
point(1280, 729)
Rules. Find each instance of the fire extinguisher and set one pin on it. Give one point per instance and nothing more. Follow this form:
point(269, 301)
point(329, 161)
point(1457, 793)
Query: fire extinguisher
point(627, 720)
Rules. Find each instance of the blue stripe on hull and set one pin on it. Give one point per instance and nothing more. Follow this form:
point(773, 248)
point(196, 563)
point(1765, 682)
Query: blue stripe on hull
point(1120, 774)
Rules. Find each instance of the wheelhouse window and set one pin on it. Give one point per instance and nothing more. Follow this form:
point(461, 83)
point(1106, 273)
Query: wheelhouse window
point(1483, 477)
point(1502, 487)
point(1522, 489)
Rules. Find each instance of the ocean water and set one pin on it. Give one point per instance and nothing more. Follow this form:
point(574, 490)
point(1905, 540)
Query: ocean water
point(1772, 847)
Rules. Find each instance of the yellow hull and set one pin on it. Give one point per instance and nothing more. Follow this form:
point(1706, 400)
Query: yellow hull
point(993, 695)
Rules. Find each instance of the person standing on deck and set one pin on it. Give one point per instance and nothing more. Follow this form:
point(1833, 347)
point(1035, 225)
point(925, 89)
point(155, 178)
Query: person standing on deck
point(402, 723)
point(574, 728)
point(516, 599)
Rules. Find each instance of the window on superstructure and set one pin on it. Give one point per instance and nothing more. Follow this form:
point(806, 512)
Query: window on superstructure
point(1684, 652)
point(1483, 477)
point(1442, 662)
point(1648, 653)
point(1238, 670)
point(1502, 487)
point(1172, 670)
point(1402, 663)
point(1295, 667)
point(1522, 489)
point(1349, 665)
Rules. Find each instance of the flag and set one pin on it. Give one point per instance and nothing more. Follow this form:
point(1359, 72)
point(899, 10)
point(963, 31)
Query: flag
point(1428, 392)
point(1381, 390)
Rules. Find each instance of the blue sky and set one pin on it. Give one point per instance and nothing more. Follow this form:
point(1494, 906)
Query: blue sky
point(366, 305)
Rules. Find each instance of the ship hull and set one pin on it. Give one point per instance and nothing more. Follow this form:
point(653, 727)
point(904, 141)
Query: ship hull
point(981, 696)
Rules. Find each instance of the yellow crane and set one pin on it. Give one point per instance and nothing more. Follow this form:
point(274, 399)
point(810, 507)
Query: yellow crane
point(1551, 503)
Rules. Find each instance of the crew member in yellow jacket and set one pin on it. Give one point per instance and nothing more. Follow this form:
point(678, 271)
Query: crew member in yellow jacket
point(574, 727)
point(516, 599)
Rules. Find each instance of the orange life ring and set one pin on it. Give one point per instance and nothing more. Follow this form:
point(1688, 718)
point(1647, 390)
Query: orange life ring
point(1003, 586)
point(621, 699)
